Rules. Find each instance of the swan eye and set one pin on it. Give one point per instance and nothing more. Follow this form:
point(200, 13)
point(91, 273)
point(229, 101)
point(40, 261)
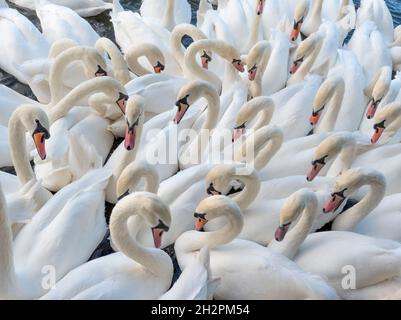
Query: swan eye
point(242, 126)
point(162, 226)
point(100, 72)
point(379, 125)
point(320, 161)
point(317, 112)
point(212, 191)
point(41, 129)
point(201, 216)
point(206, 56)
point(339, 194)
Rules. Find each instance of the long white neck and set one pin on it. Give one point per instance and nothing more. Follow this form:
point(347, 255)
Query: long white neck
point(168, 18)
point(255, 33)
point(350, 218)
point(251, 189)
point(120, 68)
point(295, 237)
point(57, 69)
point(7, 271)
point(263, 52)
point(17, 141)
point(212, 116)
point(333, 106)
point(195, 70)
point(345, 157)
point(105, 85)
point(267, 142)
point(213, 239)
point(176, 37)
point(148, 257)
point(132, 175)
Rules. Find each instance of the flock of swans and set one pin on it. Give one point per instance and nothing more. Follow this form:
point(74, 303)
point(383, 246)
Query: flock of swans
point(321, 193)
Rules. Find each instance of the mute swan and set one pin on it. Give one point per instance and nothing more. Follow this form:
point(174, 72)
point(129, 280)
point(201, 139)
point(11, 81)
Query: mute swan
point(195, 282)
point(22, 45)
point(261, 216)
point(69, 155)
point(130, 28)
point(387, 123)
point(62, 234)
point(23, 203)
point(185, 189)
point(378, 12)
point(85, 8)
point(333, 251)
point(223, 49)
point(269, 275)
point(268, 65)
point(169, 13)
point(134, 273)
point(369, 47)
point(61, 22)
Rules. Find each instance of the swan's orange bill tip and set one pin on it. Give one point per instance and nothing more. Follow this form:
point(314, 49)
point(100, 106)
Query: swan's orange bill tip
point(280, 233)
point(237, 133)
point(376, 136)
point(205, 63)
point(371, 110)
point(294, 68)
point(39, 140)
point(182, 109)
point(259, 8)
point(294, 34)
point(314, 119)
point(314, 172)
point(200, 223)
point(129, 141)
point(332, 204)
point(157, 237)
point(251, 75)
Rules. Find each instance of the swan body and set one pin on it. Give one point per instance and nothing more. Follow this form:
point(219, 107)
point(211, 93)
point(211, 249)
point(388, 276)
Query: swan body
point(266, 266)
point(147, 277)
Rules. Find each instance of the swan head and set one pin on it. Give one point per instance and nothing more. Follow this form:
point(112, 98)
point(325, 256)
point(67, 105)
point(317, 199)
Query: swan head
point(134, 120)
point(292, 209)
point(227, 52)
point(36, 122)
point(325, 92)
point(349, 182)
point(388, 119)
point(249, 111)
point(327, 150)
point(220, 181)
point(214, 207)
point(188, 95)
point(254, 58)
point(152, 53)
point(150, 208)
point(132, 174)
point(380, 89)
point(300, 13)
point(95, 65)
point(304, 49)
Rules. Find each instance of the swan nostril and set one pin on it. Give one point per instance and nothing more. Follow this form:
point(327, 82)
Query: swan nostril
point(324, 210)
point(368, 117)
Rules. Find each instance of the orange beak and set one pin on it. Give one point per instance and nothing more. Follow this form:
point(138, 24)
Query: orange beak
point(371, 109)
point(252, 74)
point(205, 63)
point(376, 136)
point(158, 68)
point(314, 118)
point(259, 7)
point(100, 72)
point(200, 223)
point(39, 138)
point(237, 133)
point(333, 203)
point(281, 231)
point(182, 109)
point(239, 67)
point(314, 171)
point(130, 134)
point(157, 237)
point(294, 67)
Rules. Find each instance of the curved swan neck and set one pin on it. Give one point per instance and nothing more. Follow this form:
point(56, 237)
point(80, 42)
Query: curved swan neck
point(261, 108)
point(251, 189)
point(7, 271)
point(296, 236)
point(132, 175)
point(17, 141)
point(107, 85)
point(350, 218)
point(345, 157)
point(306, 66)
point(263, 52)
point(57, 68)
point(120, 68)
point(268, 141)
point(333, 106)
point(255, 32)
point(169, 18)
point(147, 257)
point(177, 34)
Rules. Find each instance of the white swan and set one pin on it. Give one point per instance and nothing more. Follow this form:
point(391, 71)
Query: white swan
point(85, 8)
point(62, 234)
point(169, 13)
point(59, 22)
point(269, 275)
point(136, 272)
point(333, 250)
point(23, 203)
